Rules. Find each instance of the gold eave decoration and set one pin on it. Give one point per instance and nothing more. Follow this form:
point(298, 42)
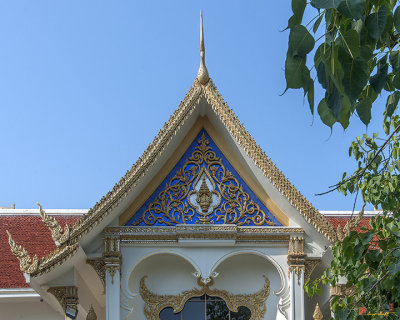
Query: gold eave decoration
point(26, 263)
point(201, 232)
point(58, 234)
point(349, 226)
point(34, 266)
point(255, 302)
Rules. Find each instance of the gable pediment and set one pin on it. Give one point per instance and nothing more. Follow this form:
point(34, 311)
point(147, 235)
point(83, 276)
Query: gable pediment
point(204, 187)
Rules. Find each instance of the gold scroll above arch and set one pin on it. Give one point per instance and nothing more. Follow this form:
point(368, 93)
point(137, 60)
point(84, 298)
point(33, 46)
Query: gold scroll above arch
point(155, 303)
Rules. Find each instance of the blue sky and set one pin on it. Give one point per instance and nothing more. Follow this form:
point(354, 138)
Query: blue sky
point(86, 85)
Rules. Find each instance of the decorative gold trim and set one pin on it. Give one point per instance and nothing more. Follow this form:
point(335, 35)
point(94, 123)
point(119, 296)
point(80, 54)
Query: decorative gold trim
point(113, 198)
point(317, 315)
point(66, 296)
point(155, 303)
point(55, 258)
point(349, 226)
point(111, 270)
point(228, 232)
point(310, 265)
point(12, 207)
point(181, 198)
point(112, 256)
point(59, 235)
point(296, 256)
point(342, 290)
point(202, 75)
point(99, 266)
point(26, 263)
point(203, 122)
point(91, 314)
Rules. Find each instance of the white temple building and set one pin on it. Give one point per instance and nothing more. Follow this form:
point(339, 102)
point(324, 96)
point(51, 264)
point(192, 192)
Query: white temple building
point(203, 226)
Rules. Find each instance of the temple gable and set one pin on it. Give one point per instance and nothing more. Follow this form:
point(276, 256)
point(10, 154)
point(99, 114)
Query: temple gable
point(203, 187)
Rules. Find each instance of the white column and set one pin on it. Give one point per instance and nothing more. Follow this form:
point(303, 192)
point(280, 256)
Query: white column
point(296, 262)
point(112, 264)
point(112, 293)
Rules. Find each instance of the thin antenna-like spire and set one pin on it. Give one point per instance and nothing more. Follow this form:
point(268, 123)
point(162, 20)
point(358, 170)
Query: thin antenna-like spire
point(202, 76)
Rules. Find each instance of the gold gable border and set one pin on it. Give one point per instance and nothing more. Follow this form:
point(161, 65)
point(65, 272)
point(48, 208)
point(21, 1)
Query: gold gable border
point(112, 199)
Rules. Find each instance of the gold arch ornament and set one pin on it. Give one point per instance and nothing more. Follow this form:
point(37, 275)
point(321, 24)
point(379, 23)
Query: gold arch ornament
point(155, 303)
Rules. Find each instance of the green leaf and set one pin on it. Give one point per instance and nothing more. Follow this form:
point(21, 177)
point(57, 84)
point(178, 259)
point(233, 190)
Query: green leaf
point(356, 74)
point(394, 59)
point(317, 23)
point(396, 81)
point(344, 115)
point(310, 94)
point(396, 17)
point(394, 268)
point(353, 9)
point(298, 7)
point(294, 71)
point(351, 42)
point(379, 79)
point(376, 23)
point(391, 103)
point(334, 100)
point(301, 41)
point(364, 110)
point(325, 4)
point(326, 114)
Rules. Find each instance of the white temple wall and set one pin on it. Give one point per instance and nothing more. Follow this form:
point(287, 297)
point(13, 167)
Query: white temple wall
point(170, 270)
point(28, 310)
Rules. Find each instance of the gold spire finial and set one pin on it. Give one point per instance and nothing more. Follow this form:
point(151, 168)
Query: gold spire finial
point(91, 314)
point(202, 76)
point(317, 313)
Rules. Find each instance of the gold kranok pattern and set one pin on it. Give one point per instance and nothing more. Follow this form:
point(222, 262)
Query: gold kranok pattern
point(173, 204)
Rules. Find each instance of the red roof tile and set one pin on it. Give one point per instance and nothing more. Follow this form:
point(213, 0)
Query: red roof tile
point(336, 221)
point(30, 232)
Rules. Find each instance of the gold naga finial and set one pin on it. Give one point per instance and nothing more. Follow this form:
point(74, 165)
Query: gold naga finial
point(12, 207)
point(317, 313)
point(350, 225)
point(58, 234)
point(202, 75)
point(26, 263)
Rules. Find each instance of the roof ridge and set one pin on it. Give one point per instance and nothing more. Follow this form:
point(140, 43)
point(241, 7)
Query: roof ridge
point(209, 91)
point(262, 161)
point(138, 169)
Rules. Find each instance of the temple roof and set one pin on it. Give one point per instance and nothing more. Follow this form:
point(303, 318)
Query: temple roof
point(202, 95)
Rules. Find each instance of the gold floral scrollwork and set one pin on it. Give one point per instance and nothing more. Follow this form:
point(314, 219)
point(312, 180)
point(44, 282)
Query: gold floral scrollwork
point(26, 263)
point(99, 266)
point(310, 265)
point(58, 234)
point(255, 302)
point(204, 186)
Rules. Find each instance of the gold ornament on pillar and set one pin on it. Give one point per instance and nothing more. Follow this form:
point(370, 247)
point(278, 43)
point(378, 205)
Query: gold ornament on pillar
point(296, 257)
point(112, 256)
point(317, 313)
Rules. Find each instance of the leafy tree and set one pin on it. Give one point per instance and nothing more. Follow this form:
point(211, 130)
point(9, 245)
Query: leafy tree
point(357, 57)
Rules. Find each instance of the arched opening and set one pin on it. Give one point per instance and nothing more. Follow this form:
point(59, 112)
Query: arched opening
point(206, 307)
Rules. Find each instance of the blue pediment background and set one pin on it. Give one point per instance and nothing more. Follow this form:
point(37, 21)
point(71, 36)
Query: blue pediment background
point(203, 187)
